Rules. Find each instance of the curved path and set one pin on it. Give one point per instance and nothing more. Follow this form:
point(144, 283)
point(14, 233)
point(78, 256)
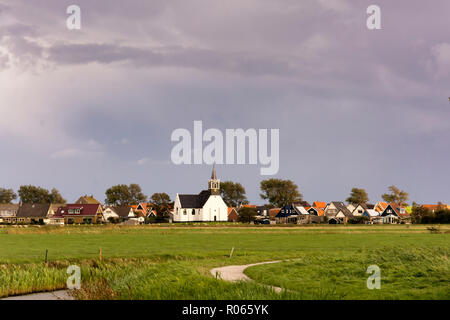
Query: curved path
point(55, 295)
point(236, 273)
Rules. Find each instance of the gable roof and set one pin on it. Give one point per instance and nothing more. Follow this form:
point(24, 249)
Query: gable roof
point(121, 211)
point(85, 210)
point(33, 210)
point(396, 208)
point(319, 204)
point(87, 200)
point(381, 206)
point(194, 201)
point(341, 207)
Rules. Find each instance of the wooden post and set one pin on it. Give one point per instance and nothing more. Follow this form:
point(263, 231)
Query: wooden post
point(46, 256)
point(100, 254)
point(231, 253)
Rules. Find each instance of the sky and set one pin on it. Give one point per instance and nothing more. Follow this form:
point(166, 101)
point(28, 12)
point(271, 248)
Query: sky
point(82, 110)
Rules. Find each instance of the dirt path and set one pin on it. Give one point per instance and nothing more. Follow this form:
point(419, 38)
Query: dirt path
point(236, 273)
point(55, 295)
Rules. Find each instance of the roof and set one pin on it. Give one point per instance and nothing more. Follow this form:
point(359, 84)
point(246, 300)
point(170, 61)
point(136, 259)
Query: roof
point(85, 210)
point(9, 206)
point(87, 200)
point(121, 211)
point(301, 210)
point(249, 206)
point(194, 201)
point(319, 204)
point(397, 209)
point(301, 203)
point(340, 206)
point(213, 174)
point(372, 213)
point(33, 210)
point(381, 206)
point(273, 212)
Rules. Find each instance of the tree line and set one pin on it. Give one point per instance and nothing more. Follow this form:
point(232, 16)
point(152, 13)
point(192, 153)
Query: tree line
point(276, 192)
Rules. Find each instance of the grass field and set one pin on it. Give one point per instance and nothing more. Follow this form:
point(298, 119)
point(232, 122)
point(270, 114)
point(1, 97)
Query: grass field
point(173, 261)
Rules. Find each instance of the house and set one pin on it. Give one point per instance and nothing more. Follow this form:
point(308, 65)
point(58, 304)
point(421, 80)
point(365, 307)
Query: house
point(287, 214)
point(315, 211)
point(360, 209)
point(233, 215)
point(293, 213)
point(87, 200)
point(119, 213)
point(8, 212)
point(337, 212)
point(262, 211)
point(394, 213)
point(208, 205)
point(81, 213)
point(143, 209)
point(34, 213)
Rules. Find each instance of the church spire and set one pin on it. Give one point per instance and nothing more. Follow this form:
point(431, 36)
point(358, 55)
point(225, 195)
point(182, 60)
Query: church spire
point(213, 174)
point(214, 183)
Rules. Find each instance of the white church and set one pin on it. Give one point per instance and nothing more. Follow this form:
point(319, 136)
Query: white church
point(206, 206)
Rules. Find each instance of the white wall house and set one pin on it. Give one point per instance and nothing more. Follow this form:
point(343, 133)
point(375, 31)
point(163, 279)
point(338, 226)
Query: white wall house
point(206, 206)
point(118, 212)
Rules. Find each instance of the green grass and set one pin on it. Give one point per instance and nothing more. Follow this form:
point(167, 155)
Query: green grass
point(173, 262)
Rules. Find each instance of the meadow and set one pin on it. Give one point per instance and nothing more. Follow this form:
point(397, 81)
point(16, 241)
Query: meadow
point(173, 261)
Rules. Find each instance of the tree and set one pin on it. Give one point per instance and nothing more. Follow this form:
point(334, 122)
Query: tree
point(35, 194)
point(233, 193)
point(280, 192)
point(56, 197)
point(162, 203)
point(136, 193)
point(7, 195)
point(358, 196)
point(396, 195)
point(123, 195)
point(247, 215)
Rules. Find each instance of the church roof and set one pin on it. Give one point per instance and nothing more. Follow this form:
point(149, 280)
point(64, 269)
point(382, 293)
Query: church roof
point(213, 174)
point(194, 201)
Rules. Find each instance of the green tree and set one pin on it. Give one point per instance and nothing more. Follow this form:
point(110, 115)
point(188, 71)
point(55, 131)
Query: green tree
point(280, 192)
point(358, 196)
point(35, 194)
point(418, 213)
point(396, 195)
point(247, 215)
point(56, 197)
point(123, 195)
point(7, 195)
point(233, 193)
point(162, 204)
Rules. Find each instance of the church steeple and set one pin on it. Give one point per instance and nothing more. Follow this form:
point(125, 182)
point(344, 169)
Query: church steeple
point(214, 183)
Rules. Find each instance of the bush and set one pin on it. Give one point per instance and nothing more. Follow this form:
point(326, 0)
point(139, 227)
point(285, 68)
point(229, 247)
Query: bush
point(358, 220)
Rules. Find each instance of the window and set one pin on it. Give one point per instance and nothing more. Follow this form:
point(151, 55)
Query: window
point(184, 212)
point(193, 212)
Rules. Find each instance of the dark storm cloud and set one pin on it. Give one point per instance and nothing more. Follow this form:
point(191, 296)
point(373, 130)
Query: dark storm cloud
point(355, 107)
